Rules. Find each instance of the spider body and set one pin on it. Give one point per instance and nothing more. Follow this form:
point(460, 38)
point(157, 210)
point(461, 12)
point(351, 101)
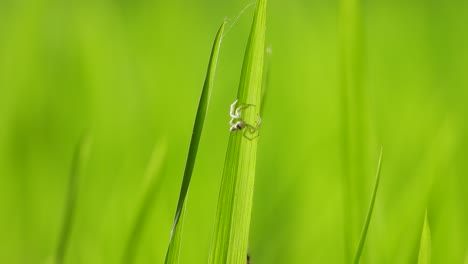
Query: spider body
point(237, 123)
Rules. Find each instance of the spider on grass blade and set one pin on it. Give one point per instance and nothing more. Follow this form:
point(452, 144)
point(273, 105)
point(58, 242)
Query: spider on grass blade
point(237, 123)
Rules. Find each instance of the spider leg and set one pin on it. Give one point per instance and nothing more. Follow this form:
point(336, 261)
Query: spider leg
point(241, 108)
point(252, 130)
point(259, 121)
point(257, 125)
point(232, 112)
point(249, 131)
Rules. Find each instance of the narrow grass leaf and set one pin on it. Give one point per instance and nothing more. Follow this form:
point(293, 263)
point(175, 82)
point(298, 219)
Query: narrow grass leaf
point(79, 158)
point(424, 256)
point(232, 223)
point(151, 187)
point(362, 240)
point(172, 255)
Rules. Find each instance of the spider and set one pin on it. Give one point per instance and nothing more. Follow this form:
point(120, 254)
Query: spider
point(237, 123)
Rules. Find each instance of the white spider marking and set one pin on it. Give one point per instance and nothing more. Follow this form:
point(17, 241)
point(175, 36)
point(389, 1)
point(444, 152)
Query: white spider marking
point(237, 123)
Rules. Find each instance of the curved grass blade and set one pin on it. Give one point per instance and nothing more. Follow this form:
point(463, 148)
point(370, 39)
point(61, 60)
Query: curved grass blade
point(79, 158)
point(172, 255)
point(362, 240)
point(152, 188)
point(232, 223)
point(424, 256)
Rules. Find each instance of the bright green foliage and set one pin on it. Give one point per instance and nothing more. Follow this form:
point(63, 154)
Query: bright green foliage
point(176, 233)
point(131, 73)
point(231, 231)
point(424, 256)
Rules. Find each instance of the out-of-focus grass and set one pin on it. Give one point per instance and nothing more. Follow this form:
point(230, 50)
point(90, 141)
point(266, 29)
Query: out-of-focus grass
point(365, 228)
point(149, 191)
point(110, 67)
point(79, 159)
point(353, 118)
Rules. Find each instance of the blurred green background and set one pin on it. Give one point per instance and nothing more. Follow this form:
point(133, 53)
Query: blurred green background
point(130, 73)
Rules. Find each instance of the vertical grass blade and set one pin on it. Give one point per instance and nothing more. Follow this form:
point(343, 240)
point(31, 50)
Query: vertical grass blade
point(151, 188)
point(172, 255)
point(424, 256)
point(232, 223)
point(79, 158)
point(365, 228)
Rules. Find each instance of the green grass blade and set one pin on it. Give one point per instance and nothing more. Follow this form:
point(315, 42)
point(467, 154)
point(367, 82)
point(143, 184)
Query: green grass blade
point(172, 255)
point(232, 223)
point(424, 256)
point(79, 158)
point(362, 240)
point(151, 189)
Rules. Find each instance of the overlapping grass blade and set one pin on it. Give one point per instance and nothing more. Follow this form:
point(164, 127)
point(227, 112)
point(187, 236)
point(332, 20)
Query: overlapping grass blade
point(231, 231)
point(151, 188)
point(424, 256)
point(172, 255)
point(79, 158)
point(362, 240)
